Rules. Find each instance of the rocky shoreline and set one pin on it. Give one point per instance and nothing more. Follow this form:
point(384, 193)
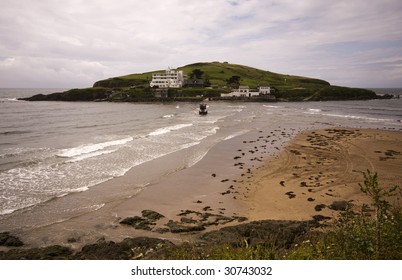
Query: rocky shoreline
point(280, 234)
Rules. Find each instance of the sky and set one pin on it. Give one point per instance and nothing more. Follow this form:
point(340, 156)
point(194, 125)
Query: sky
point(73, 43)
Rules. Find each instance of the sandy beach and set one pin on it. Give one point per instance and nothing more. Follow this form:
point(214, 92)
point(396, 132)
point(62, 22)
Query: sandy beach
point(259, 175)
point(320, 171)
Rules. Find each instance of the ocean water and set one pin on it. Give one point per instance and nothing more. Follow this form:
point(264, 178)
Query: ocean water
point(50, 150)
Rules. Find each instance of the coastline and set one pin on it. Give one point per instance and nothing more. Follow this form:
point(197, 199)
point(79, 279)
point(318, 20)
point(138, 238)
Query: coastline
point(207, 187)
point(241, 177)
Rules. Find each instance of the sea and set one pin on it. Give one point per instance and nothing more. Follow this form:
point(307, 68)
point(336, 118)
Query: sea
point(50, 150)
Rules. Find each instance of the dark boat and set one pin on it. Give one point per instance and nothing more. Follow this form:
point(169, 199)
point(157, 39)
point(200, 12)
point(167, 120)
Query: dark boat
point(203, 109)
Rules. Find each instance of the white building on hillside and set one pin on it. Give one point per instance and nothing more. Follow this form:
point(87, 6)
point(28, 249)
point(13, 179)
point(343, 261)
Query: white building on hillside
point(265, 90)
point(245, 91)
point(170, 79)
point(242, 91)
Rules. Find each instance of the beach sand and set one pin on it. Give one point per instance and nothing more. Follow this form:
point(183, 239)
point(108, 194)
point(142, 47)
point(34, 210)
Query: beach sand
point(321, 167)
point(258, 175)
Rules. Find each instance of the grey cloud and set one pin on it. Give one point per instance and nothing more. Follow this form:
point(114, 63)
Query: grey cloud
point(77, 42)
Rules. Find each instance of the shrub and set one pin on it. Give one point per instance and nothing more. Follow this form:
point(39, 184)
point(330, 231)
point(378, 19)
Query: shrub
point(360, 235)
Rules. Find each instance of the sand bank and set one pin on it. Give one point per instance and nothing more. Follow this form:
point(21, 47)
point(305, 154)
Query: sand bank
point(321, 167)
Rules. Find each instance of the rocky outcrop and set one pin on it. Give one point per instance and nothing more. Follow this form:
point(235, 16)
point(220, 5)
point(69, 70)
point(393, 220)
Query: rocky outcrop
point(86, 94)
point(47, 253)
point(190, 221)
point(128, 249)
point(281, 234)
point(146, 222)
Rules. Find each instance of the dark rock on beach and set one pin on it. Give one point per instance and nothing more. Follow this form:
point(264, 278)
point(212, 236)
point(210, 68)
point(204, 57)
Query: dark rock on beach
point(138, 223)
point(47, 253)
point(151, 215)
point(281, 233)
point(319, 207)
point(180, 227)
point(340, 205)
point(129, 248)
point(146, 222)
point(6, 239)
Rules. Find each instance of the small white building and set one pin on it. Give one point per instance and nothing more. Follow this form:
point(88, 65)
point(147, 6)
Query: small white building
point(242, 91)
point(264, 90)
point(170, 79)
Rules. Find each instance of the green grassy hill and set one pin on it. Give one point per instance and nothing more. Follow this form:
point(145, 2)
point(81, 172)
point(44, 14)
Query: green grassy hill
point(219, 74)
point(289, 87)
point(135, 87)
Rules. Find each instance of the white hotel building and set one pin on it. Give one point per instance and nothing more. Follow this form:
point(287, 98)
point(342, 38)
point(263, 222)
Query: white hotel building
point(170, 79)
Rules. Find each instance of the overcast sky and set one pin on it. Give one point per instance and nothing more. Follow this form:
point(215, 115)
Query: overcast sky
point(73, 43)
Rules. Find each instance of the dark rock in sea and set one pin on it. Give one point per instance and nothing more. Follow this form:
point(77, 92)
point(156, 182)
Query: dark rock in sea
point(6, 239)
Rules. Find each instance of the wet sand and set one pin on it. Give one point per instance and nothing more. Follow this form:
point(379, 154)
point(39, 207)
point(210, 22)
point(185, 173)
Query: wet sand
point(320, 171)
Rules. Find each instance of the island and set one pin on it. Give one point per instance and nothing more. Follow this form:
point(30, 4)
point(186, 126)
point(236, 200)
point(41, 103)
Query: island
point(212, 81)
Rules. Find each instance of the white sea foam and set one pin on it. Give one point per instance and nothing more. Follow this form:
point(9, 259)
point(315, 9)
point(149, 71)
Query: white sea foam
point(354, 117)
point(196, 158)
point(9, 100)
point(188, 145)
point(90, 155)
point(69, 191)
point(7, 211)
point(314, 110)
point(213, 130)
point(90, 148)
point(168, 129)
point(271, 106)
point(235, 134)
point(168, 116)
